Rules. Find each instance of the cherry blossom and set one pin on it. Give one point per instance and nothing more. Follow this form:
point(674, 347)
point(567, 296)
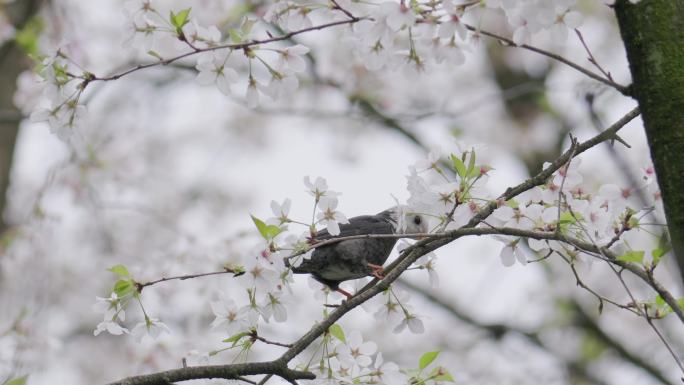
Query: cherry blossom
point(111, 327)
point(319, 188)
point(290, 58)
point(388, 372)
point(511, 252)
point(259, 276)
point(453, 24)
point(213, 70)
point(281, 212)
point(274, 305)
point(228, 314)
point(415, 325)
point(355, 351)
point(151, 327)
point(329, 216)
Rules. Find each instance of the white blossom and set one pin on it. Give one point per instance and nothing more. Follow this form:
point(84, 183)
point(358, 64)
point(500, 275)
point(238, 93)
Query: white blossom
point(111, 326)
point(213, 70)
point(151, 327)
point(415, 325)
point(290, 58)
point(274, 305)
point(228, 314)
point(355, 351)
point(511, 252)
point(329, 216)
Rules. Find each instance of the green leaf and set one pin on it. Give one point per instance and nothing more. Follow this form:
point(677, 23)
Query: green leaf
point(17, 381)
point(337, 332)
point(660, 301)
point(124, 287)
point(267, 231)
point(236, 337)
point(471, 164)
point(246, 26)
point(632, 256)
point(441, 374)
point(426, 359)
point(567, 219)
point(155, 55)
point(27, 37)
point(663, 248)
point(179, 19)
point(119, 270)
point(235, 35)
point(459, 166)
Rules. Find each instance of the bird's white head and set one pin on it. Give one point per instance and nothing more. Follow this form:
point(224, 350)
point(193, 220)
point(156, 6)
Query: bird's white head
point(406, 221)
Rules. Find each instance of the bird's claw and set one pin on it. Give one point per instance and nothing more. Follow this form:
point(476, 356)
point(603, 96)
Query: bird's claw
point(377, 271)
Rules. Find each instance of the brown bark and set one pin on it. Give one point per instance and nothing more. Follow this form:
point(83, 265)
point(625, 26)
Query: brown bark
point(12, 62)
point(653, 34)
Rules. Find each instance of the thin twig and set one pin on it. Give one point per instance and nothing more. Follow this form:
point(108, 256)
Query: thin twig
point(236, 46)
point(592, 60)
point(622, 89)
point(142, 285)
point(265, 379)
point(255, 336)
point(337, 6)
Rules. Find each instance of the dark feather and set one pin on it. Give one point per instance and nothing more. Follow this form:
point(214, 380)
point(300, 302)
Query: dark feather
point(349, 259)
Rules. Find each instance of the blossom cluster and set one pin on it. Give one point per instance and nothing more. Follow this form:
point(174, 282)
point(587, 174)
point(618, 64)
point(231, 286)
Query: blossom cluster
point(602, 216)
point(348, 359)
point(383, 35)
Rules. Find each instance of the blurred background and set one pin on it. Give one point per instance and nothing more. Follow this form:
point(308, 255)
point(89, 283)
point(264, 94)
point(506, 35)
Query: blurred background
point(163, 175)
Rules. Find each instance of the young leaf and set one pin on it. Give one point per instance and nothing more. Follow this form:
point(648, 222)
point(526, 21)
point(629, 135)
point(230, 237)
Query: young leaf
point(123, 287)
point(179, 19)
point(267, 231)
point(236, 337)
point(235, 35)
point(459, 166)
point(337, 332)
point(471, 163)
point(663, 248)
point(119, 270)
point(426, 359)
point(632, 256)
point(441, 374)
point(17, 381)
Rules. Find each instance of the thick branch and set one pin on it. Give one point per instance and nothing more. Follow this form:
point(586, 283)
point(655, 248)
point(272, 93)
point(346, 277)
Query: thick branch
point(394, 270)
point(228, 372)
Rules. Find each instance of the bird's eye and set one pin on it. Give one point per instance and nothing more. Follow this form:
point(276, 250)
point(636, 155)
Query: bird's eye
point(416, 220)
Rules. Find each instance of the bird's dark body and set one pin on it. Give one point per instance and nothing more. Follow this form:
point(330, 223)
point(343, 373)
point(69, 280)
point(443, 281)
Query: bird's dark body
point(349, 259)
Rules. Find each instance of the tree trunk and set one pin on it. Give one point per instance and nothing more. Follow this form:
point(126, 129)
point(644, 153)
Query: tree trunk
point(12, 62)
point(653, 34)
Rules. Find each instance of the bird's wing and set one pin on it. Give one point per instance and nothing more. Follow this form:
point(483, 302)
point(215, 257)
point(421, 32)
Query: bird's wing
point(364, 224)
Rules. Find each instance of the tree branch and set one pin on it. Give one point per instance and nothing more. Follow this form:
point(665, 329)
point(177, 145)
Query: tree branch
point(395, 269)
point(228, 372)
point(622, 89)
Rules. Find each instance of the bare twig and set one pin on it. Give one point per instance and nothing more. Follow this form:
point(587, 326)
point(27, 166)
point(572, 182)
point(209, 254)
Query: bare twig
point(622, 89)
point(591, 58)
point(237, 46)
point(142, 285)
point(256, 337)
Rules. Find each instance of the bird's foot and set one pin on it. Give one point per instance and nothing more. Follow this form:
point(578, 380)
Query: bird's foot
point(344, 292)
point(377, 271)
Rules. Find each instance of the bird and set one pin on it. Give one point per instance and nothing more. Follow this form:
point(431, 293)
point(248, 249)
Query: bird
point(357, 258)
